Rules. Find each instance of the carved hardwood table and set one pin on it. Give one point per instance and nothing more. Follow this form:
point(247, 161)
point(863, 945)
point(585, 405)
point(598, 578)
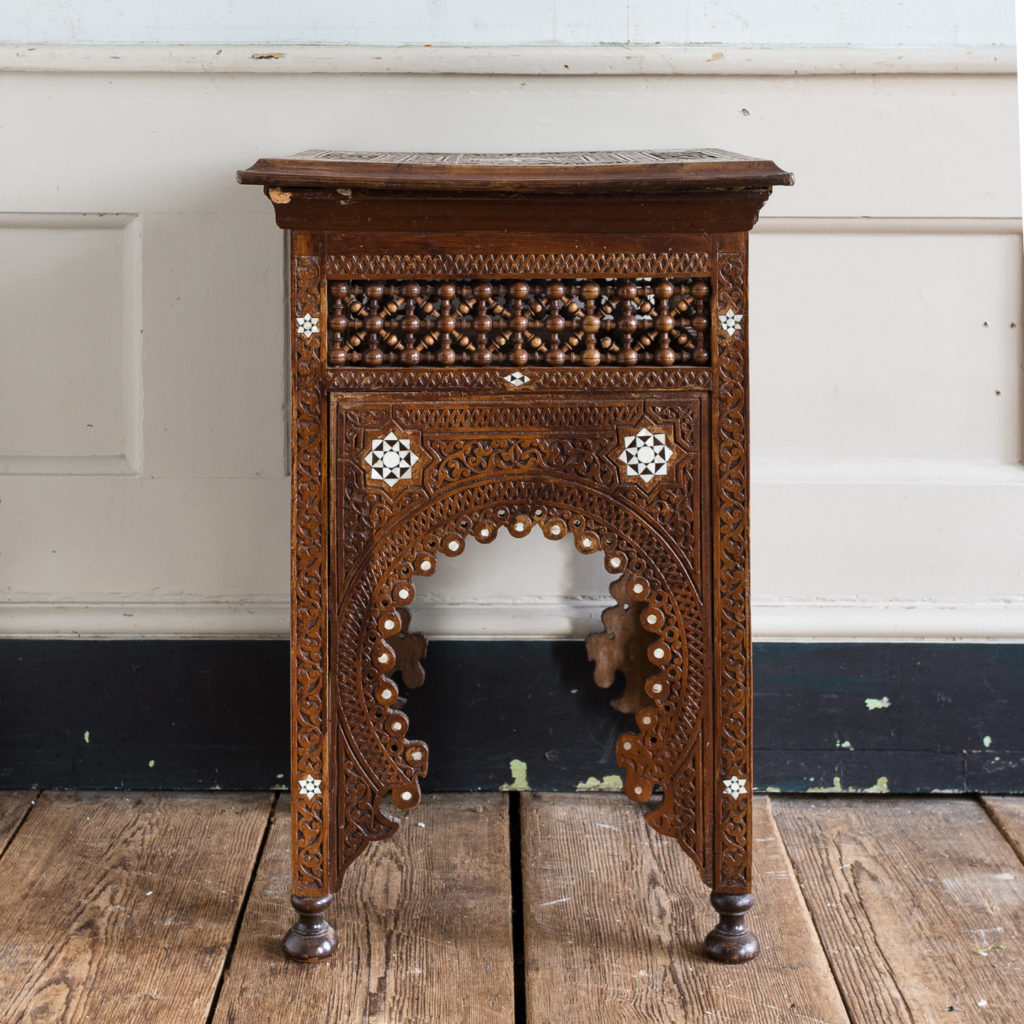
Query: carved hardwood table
point(552, 342)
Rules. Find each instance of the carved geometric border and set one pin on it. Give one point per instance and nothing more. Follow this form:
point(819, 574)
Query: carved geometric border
point(419, 265)
point(387, 378)
point(310, 811)
point(732, 615)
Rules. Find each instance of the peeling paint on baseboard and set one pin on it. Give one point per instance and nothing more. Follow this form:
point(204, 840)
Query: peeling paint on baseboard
point(881, 786)
point(518, 783)
point(609, 784)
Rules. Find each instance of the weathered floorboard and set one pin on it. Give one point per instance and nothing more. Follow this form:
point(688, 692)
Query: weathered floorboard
point(423, 922)
point(14, 804)
point(1008, 814)
point(919, 903)
point(616, 915)
point(121, 907)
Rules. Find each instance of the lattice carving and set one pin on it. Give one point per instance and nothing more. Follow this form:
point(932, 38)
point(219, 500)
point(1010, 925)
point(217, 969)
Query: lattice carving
point(733, 861)
point(533, 471)
point(657, 321)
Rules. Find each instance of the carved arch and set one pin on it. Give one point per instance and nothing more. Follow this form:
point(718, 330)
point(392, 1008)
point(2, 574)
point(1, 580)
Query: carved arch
point(407, 538)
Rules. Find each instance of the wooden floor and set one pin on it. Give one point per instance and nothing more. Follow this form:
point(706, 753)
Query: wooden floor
point(555, 909)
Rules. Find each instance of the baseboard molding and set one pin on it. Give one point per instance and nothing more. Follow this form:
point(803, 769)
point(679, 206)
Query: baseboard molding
point(562, 61)
point(529, 618)
point(209, 714)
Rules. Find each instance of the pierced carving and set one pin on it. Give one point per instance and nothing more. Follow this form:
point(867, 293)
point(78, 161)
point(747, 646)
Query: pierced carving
point(659, 321)
point(622, 647)
point(410, 650)
point(516, 468)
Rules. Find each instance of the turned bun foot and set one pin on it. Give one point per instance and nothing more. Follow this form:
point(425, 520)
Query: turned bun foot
point(311, 938)
point(730, 941)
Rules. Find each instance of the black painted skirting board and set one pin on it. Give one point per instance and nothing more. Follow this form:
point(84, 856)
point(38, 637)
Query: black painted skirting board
point(201, 714)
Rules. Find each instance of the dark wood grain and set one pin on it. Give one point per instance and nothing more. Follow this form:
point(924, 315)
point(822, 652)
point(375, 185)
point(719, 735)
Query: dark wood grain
point(423, 926)
point(614, 923)
point(122, 908)
point(919, 904)
point(14, 805)
point(625, 170)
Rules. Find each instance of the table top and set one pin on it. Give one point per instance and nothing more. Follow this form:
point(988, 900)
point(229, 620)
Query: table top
point(593, 171)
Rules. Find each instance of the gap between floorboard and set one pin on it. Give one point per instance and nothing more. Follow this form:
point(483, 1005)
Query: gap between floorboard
point(16, 828)
point(244, 903)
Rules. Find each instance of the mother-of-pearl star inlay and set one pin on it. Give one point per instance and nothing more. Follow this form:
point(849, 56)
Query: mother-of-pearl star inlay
point(390, 459)
point(645, 455)
point(307, 325)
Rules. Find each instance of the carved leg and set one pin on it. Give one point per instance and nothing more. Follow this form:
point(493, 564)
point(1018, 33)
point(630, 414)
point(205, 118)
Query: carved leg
point(730, 941)
point(311, 938)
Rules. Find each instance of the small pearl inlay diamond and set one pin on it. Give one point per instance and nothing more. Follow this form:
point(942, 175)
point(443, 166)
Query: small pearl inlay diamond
point(385, 695)
point(389, 623)
point(425, 565)
point(652, 619)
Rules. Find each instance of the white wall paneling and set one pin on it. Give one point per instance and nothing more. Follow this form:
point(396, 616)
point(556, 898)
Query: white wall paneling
point(441, 22)
point(886, 293)
point(70, 368)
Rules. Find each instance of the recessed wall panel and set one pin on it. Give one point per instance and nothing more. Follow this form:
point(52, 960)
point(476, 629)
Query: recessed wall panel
point(65, 363)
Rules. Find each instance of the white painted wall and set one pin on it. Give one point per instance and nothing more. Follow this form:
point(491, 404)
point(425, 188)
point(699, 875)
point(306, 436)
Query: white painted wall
point(143, 292)
point(526, 22)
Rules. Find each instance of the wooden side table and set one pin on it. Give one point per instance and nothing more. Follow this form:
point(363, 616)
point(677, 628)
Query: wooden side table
point(552, 342)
